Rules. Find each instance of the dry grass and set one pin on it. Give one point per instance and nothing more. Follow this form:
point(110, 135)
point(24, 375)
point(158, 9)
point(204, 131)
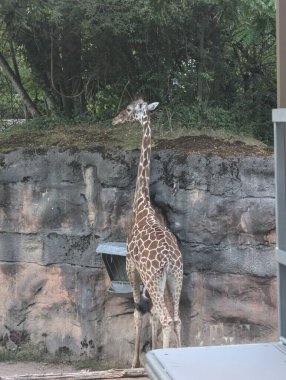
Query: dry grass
point(92, 136)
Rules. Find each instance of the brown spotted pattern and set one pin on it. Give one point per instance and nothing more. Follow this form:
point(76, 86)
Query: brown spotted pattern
point(153, 256)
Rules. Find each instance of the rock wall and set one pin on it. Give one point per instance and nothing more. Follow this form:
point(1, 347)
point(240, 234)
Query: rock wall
point(56, 206)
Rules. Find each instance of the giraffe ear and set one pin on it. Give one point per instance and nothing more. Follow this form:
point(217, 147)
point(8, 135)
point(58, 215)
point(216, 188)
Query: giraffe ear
point(152, 106)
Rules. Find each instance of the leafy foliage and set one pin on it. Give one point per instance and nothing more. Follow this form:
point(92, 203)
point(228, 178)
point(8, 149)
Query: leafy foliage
point(208, 62)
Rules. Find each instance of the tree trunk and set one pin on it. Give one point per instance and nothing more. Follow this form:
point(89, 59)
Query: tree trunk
point(201, 67)
point(17, 74)
point(71, 50)
point(18, 87)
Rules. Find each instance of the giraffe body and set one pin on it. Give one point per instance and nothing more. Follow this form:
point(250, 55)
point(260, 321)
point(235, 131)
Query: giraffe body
point(153, 256)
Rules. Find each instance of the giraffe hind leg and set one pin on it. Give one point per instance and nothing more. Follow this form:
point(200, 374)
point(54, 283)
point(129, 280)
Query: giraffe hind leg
point(160, 309)
point(174, 285)
point(154, 325)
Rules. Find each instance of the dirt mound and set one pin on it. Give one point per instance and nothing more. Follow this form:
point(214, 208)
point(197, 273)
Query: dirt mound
point(213, 146)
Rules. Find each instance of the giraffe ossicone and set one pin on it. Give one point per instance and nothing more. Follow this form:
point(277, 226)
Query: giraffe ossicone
point(153, 256)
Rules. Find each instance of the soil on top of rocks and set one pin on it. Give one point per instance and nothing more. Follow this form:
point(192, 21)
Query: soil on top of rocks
point(213, 146)
point(128, 137)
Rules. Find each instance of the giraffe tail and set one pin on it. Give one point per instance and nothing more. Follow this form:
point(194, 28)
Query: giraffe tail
point(145, 304)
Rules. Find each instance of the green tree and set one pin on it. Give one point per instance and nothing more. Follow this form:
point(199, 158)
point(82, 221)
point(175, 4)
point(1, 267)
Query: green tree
point(199, 55)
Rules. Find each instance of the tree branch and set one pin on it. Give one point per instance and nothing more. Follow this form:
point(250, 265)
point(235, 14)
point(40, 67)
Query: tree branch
point(19, 88)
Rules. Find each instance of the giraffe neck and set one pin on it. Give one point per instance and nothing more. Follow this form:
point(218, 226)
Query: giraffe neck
point(142, 194)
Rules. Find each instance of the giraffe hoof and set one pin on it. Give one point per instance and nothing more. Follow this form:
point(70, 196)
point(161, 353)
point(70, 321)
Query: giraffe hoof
point(136, 363)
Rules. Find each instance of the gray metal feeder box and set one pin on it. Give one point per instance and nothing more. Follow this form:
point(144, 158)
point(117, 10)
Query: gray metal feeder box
point(114, 258)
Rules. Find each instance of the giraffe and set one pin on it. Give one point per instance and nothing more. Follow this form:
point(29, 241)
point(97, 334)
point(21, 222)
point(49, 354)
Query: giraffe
point(153, 256)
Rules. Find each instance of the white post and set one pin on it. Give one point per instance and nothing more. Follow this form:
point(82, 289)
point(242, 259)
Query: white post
point(279, 119)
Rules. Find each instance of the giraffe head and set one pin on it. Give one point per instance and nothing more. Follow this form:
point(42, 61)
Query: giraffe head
point(134, 112)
